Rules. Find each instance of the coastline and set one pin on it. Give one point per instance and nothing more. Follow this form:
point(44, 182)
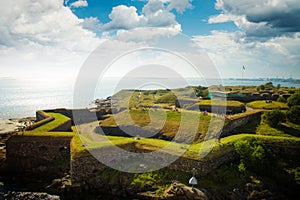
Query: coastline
point(14, 125)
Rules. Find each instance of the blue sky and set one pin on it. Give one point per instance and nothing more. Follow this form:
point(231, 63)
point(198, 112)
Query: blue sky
point(43, 37)
point(193, 20)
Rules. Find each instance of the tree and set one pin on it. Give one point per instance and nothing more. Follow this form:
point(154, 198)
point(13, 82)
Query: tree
point(293, 115)
point(274, 117)
point(294, 100)
point(201, 91)
point(278, 86)
point(269, 86)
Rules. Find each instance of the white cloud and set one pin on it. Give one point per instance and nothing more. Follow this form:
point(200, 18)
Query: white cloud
point(180, 5)
point(277, 56)
point(147, 33)
point(91, 23)
point(221, 18)
point(155, 13)
point(123, 17)
point(42, 36)
point(47, 23)
point(79, 3)
point(260, 18)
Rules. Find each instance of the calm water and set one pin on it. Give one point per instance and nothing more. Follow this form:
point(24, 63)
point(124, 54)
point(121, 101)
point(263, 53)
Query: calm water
point(21, 98)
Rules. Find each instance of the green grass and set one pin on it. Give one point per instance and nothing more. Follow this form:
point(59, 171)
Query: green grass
point(148, 98)
point(59, 119)
point(244, 114)
point(220, 103)
point(270, 106)
point(168, 123)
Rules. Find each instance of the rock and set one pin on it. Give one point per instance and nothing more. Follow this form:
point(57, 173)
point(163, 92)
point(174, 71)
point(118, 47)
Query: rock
point(30, 195)
point(178, 191)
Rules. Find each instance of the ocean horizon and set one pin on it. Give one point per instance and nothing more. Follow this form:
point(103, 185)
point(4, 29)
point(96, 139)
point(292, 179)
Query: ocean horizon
point(21, 98)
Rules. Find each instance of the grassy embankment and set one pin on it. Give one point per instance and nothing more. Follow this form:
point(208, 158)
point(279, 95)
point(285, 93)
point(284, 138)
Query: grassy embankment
point(44, 130)
point(264, 133)
point(220, 103)
point(262, 104)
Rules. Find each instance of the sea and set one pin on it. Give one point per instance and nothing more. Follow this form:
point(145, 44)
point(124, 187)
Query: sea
point(22, 97)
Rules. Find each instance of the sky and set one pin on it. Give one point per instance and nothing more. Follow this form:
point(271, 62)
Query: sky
point(52, 39)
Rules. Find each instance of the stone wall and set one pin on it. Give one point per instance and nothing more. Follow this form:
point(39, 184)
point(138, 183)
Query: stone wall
point(42, 118)
point(84, 167)
point(203, 167)
point(87, 167)
point(249, 98)
point(238, 122)
point(44, 156)
point(80, 116)
point(218, 109)
point(64, 127)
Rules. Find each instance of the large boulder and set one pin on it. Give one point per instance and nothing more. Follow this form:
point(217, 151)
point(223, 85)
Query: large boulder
point(179, 191)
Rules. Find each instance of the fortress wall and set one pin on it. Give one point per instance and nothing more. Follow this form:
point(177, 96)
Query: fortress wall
point(64, 127)
point(203, 167)
point(87, 167)
point(182, 102)
point(34, 155)
point(235, 123)
point(218, 109)
point(250, 98)
point(42, 118)
point(80, 116)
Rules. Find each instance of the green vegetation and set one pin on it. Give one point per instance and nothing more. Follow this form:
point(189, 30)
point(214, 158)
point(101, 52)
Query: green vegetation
point(148, 98)
point(186, 120)
point(201, 91)
point(220, 103)
point(294, 100)
point(268, 86)
point(252, 154)
point(281, 99)
point(274, 117)
point(59, 119)
point(167, 98)
point(252, 143)
point(270, 105)
point(293, 115)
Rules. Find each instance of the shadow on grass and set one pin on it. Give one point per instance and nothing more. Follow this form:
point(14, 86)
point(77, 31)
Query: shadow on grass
point(289, 130)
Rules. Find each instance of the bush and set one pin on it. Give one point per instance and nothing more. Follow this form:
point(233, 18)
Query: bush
point(294, 100)
point(167, 98)
point(293, 115)
point(281, 99)
point(201, 91)
point(273, 118)
point(252, 154)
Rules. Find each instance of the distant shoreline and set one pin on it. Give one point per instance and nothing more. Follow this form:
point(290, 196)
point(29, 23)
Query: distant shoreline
point(21, 98)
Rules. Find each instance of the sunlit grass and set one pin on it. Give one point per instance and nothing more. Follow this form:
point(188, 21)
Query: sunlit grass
point(220, 103)
point(262, 104)
point(58, 119)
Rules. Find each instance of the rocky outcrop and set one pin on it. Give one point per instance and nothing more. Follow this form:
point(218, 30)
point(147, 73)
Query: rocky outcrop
point(178, 191)
point(30, 195)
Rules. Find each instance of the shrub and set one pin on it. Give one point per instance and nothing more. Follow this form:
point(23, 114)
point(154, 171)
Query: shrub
point(252, 154)
point(281, 99)
point(294, 100)
point(201, 91)
point(273, 118)
point(167, 98)
point(293, 115)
